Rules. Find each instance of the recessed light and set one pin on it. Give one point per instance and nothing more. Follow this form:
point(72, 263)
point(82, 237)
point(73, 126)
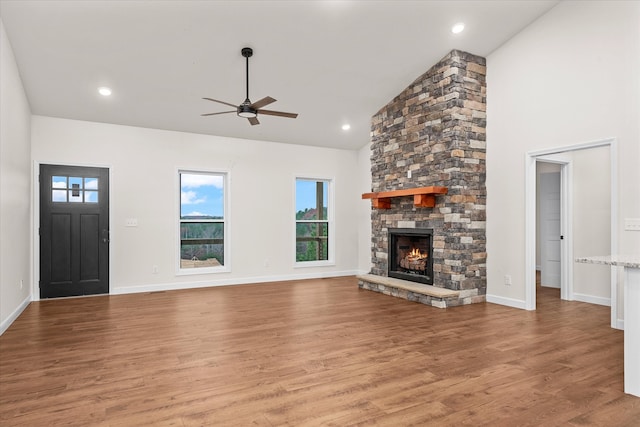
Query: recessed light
point(458, 28)
point(346, 126)
point(104, 91)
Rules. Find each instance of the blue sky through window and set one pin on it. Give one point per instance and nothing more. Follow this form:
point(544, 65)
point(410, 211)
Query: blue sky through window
point(201, 195)
point(306, 194)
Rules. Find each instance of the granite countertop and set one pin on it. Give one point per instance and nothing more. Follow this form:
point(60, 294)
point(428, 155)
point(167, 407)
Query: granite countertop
point(632, 261)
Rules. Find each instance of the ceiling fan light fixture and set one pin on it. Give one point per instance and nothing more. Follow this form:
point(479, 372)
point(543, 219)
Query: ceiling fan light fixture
point(247, 111)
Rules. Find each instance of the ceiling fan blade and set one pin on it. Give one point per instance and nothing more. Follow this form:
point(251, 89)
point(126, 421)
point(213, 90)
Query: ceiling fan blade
point(253, 120)
point(278, 113)
point(221, 102)
point(222, 112)
point(264, 101)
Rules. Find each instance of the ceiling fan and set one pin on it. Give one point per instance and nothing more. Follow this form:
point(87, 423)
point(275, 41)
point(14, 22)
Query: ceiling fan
point(248, 109)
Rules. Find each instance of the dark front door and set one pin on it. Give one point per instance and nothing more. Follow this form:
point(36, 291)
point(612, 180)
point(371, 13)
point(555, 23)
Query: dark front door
point(74, 231)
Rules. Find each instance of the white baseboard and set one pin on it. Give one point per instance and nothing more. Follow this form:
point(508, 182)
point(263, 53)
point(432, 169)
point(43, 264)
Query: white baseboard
point(620, 324)
point(226, 282)
point(592, 299)
point(13, 316)
point(509, 302)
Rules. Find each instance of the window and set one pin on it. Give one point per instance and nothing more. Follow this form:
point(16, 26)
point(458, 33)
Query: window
point(313, 221)
point(202, 221)
point(74, 189)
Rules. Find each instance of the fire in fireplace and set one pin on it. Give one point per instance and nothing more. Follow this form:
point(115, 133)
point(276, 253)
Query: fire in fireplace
point(411, 254)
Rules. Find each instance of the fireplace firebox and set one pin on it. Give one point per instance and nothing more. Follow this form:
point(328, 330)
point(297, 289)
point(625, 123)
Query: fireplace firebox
point(411, 254)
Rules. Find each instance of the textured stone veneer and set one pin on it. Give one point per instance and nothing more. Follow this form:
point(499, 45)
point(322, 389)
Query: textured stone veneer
point(436, 130)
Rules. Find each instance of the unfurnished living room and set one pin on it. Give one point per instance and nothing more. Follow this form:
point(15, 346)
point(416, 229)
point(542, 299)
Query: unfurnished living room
point(300, 213)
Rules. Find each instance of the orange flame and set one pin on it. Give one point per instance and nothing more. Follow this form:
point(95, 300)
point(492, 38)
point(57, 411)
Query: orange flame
point(416, 254)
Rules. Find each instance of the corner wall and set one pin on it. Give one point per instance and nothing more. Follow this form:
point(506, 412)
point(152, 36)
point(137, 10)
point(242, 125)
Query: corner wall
point(572, 76)
point(15, 189)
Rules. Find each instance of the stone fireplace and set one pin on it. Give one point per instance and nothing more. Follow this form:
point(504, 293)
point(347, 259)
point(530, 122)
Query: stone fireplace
point(433, 134)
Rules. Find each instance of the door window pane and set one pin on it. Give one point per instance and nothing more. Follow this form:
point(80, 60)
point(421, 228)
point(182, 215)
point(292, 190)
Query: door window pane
point(75, 182)
point(91, 183)
point(75, 196)
point(91, 197)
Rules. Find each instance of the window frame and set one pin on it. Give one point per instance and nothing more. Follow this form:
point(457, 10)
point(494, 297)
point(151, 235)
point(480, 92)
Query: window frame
point(330, 221)
point(226, 227)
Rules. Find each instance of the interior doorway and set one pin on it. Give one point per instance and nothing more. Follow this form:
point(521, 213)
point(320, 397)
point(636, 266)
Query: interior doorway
point(548, 225)
point(588, 221)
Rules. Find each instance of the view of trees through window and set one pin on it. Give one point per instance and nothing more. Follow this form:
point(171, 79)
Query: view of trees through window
point(312, 222)
point(201, 220)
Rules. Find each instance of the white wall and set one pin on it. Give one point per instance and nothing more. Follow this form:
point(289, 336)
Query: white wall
point(570, 77)
point(15, 188)
point(591, 223)
point(144, 165)
point(364, 213)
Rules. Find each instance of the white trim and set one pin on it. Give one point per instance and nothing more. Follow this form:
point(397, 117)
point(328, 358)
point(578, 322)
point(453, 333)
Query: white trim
point(566, 200)
point(530, 233)
point(229, 282)
point(575, 147)
point(13, 316)
point(615, 322)
point(35, 255)
point(509, 302)
point(530, 206)
point(226, 268)
point(591, 299)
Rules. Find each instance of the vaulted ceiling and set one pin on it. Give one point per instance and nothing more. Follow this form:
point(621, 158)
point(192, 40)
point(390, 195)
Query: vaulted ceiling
point(333, 62)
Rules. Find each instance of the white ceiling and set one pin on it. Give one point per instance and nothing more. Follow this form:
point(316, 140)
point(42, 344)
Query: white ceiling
point(333, 62)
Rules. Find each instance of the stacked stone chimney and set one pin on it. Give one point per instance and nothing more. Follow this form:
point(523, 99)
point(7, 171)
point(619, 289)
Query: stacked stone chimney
point(433, 134)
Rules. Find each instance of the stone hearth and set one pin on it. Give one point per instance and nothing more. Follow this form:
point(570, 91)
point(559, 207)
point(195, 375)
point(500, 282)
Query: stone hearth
point(433, 134)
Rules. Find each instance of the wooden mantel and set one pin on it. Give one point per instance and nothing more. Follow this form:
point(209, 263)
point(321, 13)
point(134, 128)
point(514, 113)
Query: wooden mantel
point(423, 197)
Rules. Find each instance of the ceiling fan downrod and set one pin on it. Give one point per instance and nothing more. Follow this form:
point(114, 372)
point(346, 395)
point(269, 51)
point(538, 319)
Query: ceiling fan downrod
point(247, 52)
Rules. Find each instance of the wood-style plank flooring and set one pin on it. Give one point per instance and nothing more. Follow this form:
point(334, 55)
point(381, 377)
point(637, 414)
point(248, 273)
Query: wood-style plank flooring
point(305, 353)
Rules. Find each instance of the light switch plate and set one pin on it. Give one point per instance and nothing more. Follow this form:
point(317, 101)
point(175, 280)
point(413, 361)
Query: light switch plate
point(632, 224)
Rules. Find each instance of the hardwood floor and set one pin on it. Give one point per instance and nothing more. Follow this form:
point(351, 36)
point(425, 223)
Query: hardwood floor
point(314, 352)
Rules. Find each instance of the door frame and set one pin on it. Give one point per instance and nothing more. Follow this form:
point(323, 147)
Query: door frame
point(531, 159)
point(35, 255)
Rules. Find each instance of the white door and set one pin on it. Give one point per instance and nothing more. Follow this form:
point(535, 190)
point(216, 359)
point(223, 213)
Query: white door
point(550, 230)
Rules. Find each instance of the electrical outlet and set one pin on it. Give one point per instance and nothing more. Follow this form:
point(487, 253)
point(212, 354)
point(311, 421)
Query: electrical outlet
point(131, 222)
point(507, 280)
point(21, 283)
point(154, 269)
point(409, 173)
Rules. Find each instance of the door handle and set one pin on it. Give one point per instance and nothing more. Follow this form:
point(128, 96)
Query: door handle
point(105, 236)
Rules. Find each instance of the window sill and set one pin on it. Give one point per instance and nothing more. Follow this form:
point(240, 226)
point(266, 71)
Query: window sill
point(305, 264)
point(211, 270)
